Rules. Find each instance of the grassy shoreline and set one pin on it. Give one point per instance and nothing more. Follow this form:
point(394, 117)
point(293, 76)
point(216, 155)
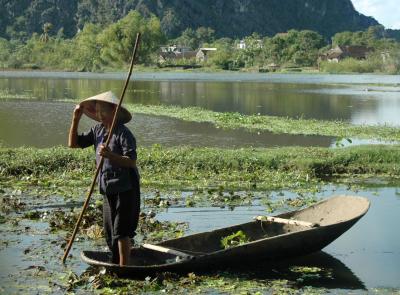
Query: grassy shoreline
point(60, 168)
point(337, 68)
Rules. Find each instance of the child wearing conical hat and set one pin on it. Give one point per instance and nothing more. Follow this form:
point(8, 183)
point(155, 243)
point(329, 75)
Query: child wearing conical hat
point(118, 178)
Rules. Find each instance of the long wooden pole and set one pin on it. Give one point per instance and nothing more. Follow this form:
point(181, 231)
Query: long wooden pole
point(68, 248)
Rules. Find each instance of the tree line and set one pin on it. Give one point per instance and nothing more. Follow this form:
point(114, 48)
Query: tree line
point(98, 47)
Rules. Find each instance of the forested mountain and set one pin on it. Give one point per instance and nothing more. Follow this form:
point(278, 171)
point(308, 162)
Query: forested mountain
point(229, 18)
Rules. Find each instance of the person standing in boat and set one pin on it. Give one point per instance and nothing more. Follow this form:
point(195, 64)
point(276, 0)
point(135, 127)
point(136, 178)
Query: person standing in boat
point(119, 178)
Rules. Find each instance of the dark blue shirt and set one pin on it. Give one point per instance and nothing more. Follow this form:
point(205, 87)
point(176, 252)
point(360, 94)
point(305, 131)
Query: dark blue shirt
point(112, 178)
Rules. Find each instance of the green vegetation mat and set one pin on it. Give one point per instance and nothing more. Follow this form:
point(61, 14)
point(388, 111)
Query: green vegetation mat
point(60, 168)
point(271, 123)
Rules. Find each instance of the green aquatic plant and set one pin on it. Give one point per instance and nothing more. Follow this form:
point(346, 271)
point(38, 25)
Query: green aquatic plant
point(6, 94)
point(152, 230)
point(340, 142)
point(33, 215)
point(275, 124)
point(11, 203)
point(66, 219)
point(67, 172)
point(235, 239)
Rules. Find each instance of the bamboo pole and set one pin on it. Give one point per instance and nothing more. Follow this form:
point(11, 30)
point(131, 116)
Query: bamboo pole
point(68, 248)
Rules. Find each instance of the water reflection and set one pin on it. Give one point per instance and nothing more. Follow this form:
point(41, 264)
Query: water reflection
point(252, 98)
point(329, 272)
point(306, 96)
point(46, 124)
point(372, 247)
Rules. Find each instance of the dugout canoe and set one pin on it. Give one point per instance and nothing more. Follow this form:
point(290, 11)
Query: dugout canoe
point(274, 238)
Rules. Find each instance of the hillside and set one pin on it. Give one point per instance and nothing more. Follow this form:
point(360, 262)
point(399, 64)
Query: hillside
point(238, 18)
point(229, 18)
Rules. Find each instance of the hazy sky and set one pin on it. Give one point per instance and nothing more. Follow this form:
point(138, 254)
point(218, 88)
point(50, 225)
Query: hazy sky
point(386, 12)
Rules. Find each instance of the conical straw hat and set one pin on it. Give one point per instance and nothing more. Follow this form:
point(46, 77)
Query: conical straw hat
point(89, 106)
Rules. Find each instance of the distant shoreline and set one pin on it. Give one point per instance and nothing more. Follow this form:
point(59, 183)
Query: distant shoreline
point(226, 76)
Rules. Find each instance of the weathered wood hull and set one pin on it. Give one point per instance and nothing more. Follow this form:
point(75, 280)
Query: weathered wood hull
point(268, 241)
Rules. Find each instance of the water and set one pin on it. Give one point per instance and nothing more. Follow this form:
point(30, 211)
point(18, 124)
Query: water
point(351, 98)
point(46, 124)
point(370, 249)
point(359, 99)
point(364, 258)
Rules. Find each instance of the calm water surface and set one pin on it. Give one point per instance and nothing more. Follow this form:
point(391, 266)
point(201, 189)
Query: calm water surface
point(370, 249)
point(359, 99)
point(369, 99)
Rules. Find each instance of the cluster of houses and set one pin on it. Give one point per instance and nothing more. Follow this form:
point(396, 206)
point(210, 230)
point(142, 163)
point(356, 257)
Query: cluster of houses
point(338, 53)
point(174, 53)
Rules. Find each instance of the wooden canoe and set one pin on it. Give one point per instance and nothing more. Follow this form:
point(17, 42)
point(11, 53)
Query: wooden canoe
point(270, 239)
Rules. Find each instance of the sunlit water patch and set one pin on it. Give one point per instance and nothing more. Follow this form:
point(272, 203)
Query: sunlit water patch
point(345, 142)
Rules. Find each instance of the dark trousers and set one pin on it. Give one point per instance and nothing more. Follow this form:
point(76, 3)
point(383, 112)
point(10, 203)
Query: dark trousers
point(120, 218)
